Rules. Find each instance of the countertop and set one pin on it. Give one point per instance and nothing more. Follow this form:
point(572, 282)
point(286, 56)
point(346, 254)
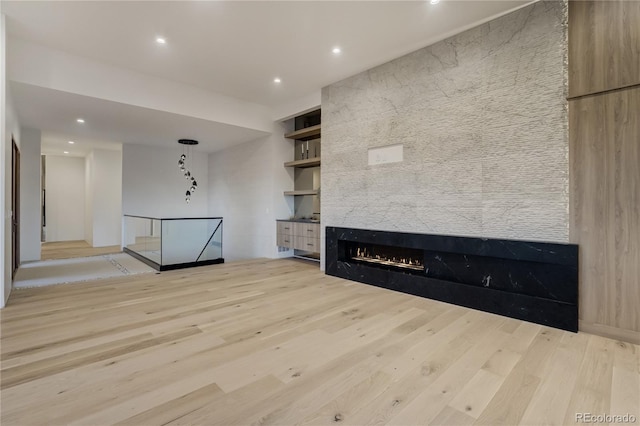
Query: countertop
point(298, 220)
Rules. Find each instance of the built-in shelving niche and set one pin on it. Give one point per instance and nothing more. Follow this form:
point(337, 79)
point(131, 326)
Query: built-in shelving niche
point(306, 164)
point(306, 173)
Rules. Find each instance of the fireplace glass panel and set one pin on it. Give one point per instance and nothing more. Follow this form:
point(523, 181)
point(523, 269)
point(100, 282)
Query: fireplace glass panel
point(406, 259)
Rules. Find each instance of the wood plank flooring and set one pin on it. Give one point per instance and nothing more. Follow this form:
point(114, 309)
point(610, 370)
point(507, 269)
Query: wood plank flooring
point(72, 249)
point(279, 342)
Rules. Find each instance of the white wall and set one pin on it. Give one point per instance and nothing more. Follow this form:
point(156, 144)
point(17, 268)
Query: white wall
point(152, 184)
point(9, 126)
point(30, 194)
point(5, 238)
point(246, 189)
point(103, 198)
point(11, 130)
point(88, 199)
point(65, 198)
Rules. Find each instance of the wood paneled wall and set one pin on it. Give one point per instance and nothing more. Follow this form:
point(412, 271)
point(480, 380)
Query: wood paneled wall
point(604, 151)
point(605, 199)
point(604, 52)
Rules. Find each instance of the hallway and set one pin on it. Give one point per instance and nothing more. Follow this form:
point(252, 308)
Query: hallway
point(71, 249)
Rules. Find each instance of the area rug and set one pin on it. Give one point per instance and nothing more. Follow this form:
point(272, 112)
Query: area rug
point(62, 271)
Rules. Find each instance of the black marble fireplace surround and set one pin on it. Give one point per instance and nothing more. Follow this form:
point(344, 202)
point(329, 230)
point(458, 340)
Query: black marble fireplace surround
point(531, 281)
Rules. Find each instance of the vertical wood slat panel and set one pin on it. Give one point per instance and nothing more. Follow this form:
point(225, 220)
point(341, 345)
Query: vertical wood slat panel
point(587, 179)
point(605, 206)
point(626, 110)
point(604, 45)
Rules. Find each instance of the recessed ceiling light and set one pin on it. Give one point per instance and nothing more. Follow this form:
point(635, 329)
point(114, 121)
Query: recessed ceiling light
point(277, 80)
point(336, 50)
point(161, 40)
point(66, 152)
point(80, 120)
point(71, 142)
point(434, 1)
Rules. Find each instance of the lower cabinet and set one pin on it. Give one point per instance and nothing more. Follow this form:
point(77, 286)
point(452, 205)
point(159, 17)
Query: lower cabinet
point(285, 237)
point(308, 244)
point(299, 236)
point(285, 241)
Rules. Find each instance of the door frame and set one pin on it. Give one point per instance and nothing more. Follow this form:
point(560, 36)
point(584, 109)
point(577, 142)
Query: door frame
point(15, 207)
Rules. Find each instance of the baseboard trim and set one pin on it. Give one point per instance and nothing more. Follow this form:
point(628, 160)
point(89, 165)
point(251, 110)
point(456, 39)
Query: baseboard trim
point(629, 336)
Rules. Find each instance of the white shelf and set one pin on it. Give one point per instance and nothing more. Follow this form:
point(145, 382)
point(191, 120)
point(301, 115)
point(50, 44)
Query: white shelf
point(304, 134)
point(302, 192)
point(301, 164)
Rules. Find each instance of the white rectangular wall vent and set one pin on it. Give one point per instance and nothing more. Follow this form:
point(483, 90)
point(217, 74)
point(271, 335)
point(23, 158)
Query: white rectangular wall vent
point(385, 154)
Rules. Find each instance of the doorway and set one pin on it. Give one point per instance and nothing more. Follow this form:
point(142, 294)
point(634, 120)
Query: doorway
point(15, 208)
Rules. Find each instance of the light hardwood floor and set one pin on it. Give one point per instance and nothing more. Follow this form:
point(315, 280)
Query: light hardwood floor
point(279, 342)
point(71, 249)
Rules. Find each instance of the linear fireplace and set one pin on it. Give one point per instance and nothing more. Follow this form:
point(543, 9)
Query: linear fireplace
point(533, 281)
point(382, 256)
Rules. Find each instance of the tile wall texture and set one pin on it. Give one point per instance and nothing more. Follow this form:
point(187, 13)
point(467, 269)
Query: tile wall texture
point(482, 117)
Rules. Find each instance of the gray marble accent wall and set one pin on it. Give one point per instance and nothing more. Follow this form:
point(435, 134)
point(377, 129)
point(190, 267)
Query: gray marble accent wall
point(483, 120)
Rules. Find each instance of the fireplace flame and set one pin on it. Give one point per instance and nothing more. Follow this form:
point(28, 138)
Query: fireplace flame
point(363, 254)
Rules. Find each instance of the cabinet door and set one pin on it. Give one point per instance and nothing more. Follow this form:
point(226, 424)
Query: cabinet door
point(312, 230)
point(285, 228)
point(284, 236)
point(299, 229)
point(307, 244)
point(603, 46)
point(284, 240)
point(604, 149)
point(304, 243)
point(313, 244)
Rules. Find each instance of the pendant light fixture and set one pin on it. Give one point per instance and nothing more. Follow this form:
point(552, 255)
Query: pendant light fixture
point(193, 184)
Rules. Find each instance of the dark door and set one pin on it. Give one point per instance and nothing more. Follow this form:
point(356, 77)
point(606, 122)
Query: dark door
point(15, 208)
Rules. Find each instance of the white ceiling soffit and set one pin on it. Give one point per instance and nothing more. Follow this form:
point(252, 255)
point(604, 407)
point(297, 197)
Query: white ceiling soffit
point(55, 112)
point(53, 143)
point(237, 48)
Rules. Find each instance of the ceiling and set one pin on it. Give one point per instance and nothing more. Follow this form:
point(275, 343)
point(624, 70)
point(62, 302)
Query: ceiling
point(107, 121)
point(235, 48)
